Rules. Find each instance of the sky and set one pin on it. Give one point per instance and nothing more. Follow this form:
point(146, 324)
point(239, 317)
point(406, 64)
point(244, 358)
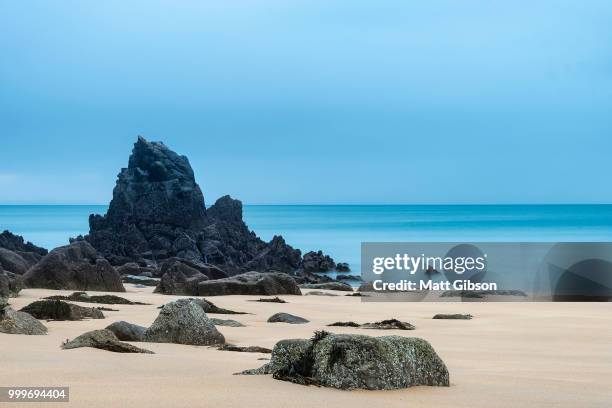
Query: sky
point(311, 102)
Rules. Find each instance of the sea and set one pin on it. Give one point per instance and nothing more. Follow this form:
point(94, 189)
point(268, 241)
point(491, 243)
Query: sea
point(339, 230)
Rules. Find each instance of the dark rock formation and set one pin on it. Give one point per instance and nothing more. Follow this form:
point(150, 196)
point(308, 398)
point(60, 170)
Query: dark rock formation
point(317, 262)
point(60, 310)
point(329, 286)
point(226, 322)
point(104, 340)
point(183, 322)
point(127, 331)
point(344, 324)
point(158, 212)
point(286, 318)
point(391, 324)
point(180, 277)
point(16, 243)
point(456, 316)
point(245, 349)
point(76, 266)
point(14, 322)
point(103, 299)
point(356, 362)
point(342, 267)
point(250, 283)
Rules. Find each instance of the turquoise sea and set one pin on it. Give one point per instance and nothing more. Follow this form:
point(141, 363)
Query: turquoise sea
point(339, 229)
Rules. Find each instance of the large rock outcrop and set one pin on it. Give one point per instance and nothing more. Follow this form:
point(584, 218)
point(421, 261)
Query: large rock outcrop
point(349, 361)
point(184, 322)
point(158, 212)
point(250, 283)
point(77, 266)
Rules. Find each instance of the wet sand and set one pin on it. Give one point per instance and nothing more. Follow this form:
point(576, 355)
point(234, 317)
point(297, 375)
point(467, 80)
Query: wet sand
point(509, 355)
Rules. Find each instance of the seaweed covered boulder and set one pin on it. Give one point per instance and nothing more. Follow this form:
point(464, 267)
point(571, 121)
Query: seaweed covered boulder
point(77, 266)
point(348, 361)
point(251, 283)
point(15, 322)
point(104, 340)
point(184, 322)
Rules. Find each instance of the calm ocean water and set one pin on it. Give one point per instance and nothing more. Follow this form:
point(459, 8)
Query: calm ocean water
point(340, 229)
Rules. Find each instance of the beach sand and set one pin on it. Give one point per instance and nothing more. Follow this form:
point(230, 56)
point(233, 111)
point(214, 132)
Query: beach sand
point(509, 355)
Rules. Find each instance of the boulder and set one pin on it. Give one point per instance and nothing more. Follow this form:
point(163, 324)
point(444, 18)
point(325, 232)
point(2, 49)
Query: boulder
point(127, 331)
point(184, 322)
point(347, 361)
point(286, 318)
point(250, 283)
point(77, 266)
point(14, 322)
point(329, 286)
point(317, 262)
point(60, 310)
point(104, 340)
point(181, 277)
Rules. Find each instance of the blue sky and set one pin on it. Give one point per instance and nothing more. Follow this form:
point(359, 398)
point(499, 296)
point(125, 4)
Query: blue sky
point(311, 101)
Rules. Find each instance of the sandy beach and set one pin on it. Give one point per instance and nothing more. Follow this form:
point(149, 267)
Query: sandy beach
point(509, 355)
